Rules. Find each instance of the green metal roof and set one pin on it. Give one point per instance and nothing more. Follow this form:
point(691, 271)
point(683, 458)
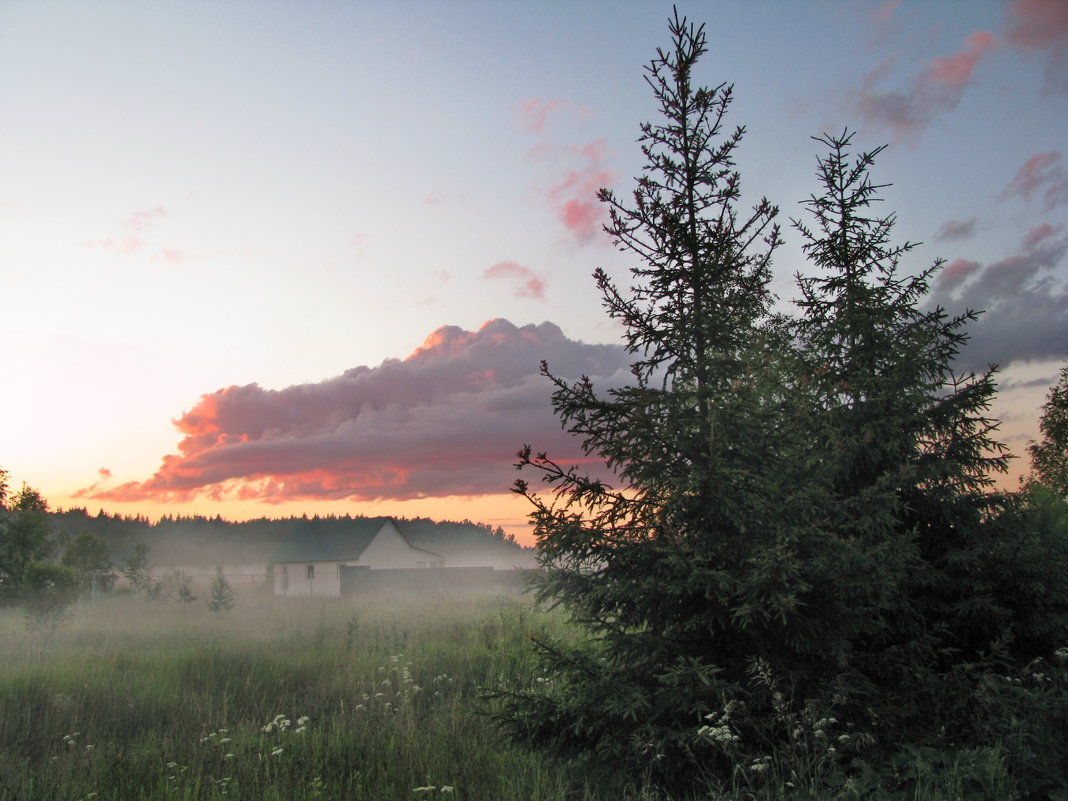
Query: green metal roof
point(329, 540)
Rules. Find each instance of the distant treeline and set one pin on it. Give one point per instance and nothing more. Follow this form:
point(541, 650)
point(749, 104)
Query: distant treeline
point(194, 539)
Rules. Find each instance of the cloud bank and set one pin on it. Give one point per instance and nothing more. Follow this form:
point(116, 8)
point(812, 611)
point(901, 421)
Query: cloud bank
point(446, 420)
point(1025, 307)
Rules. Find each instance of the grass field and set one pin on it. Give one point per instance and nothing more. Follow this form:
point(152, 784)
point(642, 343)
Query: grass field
point(287, 698)
point(276, 699)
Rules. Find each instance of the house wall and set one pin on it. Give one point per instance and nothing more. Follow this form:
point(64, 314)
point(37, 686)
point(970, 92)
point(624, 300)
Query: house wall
point(390, 551)
point(326, 581)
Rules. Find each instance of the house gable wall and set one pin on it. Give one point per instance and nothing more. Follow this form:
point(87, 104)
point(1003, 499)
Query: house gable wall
point(390, 551)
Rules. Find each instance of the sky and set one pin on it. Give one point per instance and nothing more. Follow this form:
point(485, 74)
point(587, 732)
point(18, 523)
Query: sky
point(271, 258)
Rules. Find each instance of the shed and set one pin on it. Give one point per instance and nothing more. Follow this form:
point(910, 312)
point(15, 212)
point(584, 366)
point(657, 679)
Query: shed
point(312, 559)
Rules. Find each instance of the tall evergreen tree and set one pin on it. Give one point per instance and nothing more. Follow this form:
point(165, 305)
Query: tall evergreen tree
point(654, 566)
point(1049, 456)
point(914, 605)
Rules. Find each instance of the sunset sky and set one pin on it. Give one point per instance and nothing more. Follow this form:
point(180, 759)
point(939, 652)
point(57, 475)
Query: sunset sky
point(268, 258)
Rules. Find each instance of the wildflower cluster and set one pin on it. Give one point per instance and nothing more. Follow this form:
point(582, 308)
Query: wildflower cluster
point(718, 729)
point(280, 725)
point(220, 738)
point(393, 688)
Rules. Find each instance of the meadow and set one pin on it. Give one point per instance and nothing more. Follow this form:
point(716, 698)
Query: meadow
point(284, 698)
point(276, 699)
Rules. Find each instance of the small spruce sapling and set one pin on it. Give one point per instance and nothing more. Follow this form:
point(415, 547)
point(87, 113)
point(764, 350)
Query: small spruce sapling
point(183, 585)
point(221, 597)
point(137, 568)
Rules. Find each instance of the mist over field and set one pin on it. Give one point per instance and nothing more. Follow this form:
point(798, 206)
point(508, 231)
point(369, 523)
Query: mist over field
point(276, 698)
point(198, 544)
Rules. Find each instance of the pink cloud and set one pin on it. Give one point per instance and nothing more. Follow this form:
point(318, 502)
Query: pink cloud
point(1041, 174)
point(885, 12)
point(446, 420)
point(535, 113)
point(955, 71)
point(126, 246)
point(171, 255)
point(1040, 235)
point(1040, 27)
point(574, 196)
point(133, 243)
point(937, 89)
point(144, 219)
point(955, 273)
point(955, 229)
point(531, 285)
point(883, 21)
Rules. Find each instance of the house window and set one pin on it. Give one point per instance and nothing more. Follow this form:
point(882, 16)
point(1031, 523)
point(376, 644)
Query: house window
point(309, 571)
point(285, 577)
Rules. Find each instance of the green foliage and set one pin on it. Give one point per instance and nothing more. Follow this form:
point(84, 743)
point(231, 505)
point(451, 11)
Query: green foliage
point(25, 536)
point(1049, 457)
point(221, 598)
point(183, 586)
point(49, 590)
point(137, 569)
point(804, 564)
point(90, 557)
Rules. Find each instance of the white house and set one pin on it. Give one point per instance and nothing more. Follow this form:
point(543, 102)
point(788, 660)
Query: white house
point(314, 558)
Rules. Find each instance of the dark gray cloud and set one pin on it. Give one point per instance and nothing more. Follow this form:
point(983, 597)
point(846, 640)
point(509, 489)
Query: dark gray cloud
point(447, 420)
point(1023, 298)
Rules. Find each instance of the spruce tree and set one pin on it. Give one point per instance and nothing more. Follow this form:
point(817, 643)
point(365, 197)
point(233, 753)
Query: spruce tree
point(1049, 457)
point(221, 594)
point(661, 563)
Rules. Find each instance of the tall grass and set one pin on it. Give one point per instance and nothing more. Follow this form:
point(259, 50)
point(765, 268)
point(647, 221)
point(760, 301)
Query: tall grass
point(280, 698)
point(287, 698)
